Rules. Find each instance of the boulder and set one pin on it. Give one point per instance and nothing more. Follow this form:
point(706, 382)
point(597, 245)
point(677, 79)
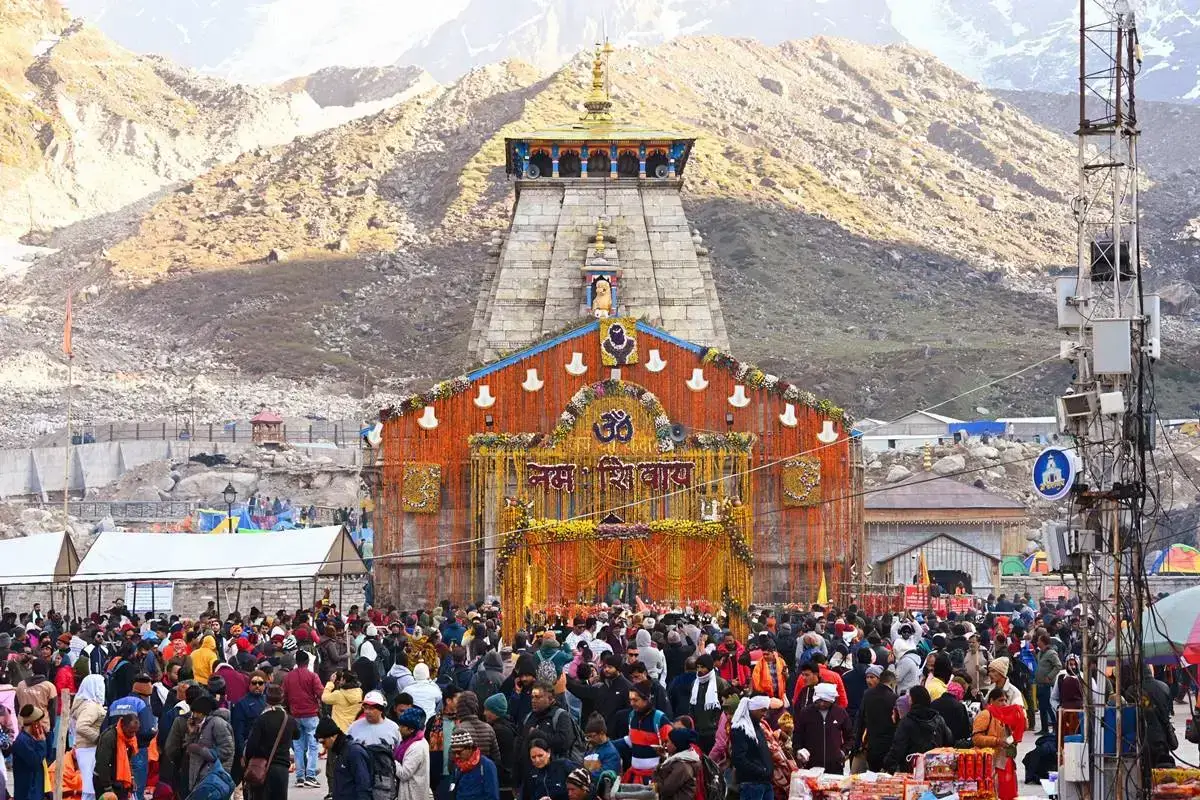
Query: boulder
point(205, 485)
point(948, 465)
point(1179, 298)
point(897, 473)
point(990, 202)
point(774, 86)
point(984, 452)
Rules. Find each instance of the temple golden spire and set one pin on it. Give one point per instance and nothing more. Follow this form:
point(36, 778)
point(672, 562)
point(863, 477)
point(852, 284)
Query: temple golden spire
point(598, 102)
point(600, 236)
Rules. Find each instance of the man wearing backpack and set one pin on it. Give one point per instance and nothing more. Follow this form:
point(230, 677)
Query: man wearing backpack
point(648, 727)
point(549, 721)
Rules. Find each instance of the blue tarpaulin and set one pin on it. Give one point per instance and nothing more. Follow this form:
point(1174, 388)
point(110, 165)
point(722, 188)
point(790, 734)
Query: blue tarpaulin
point(978, 428)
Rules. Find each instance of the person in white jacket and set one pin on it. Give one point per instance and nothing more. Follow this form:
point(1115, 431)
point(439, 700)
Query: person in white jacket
point(412, 756)
point(908, 666)
point(654, 659)
point(426, 694)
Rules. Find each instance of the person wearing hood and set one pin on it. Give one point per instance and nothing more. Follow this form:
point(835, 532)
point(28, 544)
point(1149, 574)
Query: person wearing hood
point(1067, 694)
point(654, 659)
point(426, 694)
point(203, 660)
point(550, 654)
point(855, 681)
point(677, 652)
point(922, 729)
point(468, 717)
point(822, 731)
point(680, 772)
point(87, 718)
point(209, 732)
point(489, 678)
point(875, 726)
point(908, 666)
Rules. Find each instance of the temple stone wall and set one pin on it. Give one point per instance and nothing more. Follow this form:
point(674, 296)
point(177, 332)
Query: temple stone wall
point(534, 285)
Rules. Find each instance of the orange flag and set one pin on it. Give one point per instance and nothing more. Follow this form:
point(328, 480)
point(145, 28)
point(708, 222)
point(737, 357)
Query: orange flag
point(67, 330)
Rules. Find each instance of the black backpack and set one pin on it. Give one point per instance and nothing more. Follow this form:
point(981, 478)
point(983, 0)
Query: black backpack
point(384, 784)
point(713, 779)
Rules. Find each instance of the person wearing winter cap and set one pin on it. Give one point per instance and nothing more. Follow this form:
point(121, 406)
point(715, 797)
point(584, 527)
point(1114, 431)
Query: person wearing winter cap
point(474, 776)
point(579, 784)
point(374, 728)
point(997, 671)
point(822, 731)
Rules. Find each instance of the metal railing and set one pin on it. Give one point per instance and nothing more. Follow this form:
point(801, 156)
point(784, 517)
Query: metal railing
point(340, 433)
point(132, 510)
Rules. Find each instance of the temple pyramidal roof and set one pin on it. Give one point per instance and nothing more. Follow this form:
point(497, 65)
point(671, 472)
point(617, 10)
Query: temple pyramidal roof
point(925, 491)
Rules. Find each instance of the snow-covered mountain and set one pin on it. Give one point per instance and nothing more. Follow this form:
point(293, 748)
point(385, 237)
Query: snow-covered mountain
point(1013, 44)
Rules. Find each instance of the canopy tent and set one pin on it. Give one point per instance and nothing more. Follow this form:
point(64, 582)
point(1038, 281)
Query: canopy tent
point(1170, 629)
point(1013, 565)
point(1038, 563)
point(298, 554)
point(1178, 559)
point(41, 558)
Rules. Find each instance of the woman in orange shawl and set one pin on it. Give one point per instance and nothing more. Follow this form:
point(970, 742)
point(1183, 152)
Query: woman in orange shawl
point(1000, 727)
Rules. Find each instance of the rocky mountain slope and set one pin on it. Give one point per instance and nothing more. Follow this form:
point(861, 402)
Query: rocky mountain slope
point(882, 230)
point(87, 127)
point(1022, 45)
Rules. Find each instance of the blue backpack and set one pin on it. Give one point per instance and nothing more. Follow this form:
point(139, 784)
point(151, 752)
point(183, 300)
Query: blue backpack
point(216, 785)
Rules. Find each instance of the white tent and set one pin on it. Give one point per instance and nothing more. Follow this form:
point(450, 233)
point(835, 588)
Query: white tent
point(41, 558)
point(296, 555)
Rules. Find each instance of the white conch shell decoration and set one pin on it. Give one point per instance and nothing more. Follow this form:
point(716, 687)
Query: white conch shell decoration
point(484, 399)
point(827, 435)
point(788, 417)
point(697, 383)
point(428, 420)
point(739, 399)
point(532, 382)
point(655, 362)
point(576, 366)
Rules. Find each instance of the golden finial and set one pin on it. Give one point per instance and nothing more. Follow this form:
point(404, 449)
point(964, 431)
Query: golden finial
point(600, 236)
point(598, 104)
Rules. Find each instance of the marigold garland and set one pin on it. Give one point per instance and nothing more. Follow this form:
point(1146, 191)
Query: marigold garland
point(754, 378)
point(614, 388)
point(549, 531)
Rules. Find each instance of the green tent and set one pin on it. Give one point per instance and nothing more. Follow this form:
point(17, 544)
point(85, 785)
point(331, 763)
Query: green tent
point(1013, 565)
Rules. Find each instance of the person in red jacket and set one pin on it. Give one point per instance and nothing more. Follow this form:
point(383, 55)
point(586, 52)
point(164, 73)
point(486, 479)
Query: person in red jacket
point(302, 696)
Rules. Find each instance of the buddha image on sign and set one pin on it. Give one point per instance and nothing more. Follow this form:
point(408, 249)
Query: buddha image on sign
point(601, 297)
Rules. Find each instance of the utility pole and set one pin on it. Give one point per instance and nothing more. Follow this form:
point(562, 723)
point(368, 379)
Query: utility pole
point(1106, 409)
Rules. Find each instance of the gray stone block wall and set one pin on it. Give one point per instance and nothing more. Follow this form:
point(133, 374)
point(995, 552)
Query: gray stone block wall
point(536, 285)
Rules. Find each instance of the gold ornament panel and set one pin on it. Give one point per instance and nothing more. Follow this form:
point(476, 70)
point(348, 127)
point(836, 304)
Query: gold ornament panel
point(421, 491)
point(801, 479)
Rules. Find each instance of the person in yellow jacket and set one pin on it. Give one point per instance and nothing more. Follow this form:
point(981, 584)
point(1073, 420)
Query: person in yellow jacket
point(204, 658)
point(344, 697)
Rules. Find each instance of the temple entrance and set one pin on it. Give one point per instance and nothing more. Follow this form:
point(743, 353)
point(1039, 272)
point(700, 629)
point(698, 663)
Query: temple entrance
point(628, 165)
point(608, 508)
point(598, 164)
point(569, 165)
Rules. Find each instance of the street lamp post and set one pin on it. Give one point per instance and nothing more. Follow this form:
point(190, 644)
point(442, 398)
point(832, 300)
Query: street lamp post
point(230, 495)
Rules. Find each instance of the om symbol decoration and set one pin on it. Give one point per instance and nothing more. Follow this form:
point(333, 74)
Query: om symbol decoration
point(615, 425)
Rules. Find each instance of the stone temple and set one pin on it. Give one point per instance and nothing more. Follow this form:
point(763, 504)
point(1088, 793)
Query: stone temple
point(598, 203)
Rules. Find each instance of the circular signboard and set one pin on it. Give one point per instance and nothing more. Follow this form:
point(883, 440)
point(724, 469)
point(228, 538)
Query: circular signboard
point(1053, 473)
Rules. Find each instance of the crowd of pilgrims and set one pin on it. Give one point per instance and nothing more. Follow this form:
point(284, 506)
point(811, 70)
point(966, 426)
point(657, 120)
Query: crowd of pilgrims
point(193, 708)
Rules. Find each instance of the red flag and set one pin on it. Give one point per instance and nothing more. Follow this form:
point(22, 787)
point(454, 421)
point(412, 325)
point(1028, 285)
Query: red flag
point(67, 330)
